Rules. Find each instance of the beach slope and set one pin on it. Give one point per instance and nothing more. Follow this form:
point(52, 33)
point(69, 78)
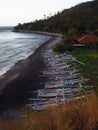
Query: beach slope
point(23, 77)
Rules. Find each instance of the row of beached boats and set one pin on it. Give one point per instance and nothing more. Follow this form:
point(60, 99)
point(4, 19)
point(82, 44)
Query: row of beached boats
point(64, 82)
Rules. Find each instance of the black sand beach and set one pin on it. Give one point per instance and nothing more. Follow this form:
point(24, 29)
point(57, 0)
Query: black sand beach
point(22, 78)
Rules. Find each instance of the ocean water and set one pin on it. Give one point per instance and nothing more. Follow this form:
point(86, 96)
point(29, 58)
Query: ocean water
point(17, 46)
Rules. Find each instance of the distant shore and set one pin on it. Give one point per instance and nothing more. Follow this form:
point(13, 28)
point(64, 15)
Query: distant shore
point(23, 77)
point(38, 32)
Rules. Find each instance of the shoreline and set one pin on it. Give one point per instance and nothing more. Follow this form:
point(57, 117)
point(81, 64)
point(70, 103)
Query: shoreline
point(23, 77)
point(38, 32)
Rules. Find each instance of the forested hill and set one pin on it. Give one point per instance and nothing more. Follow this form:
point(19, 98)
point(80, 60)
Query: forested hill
point(83, 17)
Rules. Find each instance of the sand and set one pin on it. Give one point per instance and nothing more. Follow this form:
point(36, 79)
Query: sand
point(22, 78)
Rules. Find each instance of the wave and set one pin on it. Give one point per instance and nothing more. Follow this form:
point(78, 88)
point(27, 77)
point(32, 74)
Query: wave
point(17, 46)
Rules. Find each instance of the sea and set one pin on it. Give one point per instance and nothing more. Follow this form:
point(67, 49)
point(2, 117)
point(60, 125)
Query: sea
point(15, 46)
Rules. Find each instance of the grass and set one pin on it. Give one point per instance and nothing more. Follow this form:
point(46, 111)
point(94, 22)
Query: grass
point(90, 59)
point(82, 115)
point(85, 56)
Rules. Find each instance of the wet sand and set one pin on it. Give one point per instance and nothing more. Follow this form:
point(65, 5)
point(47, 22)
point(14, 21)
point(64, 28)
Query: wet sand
point(22, 78)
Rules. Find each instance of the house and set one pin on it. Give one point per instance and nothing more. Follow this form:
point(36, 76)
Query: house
point(88, 38)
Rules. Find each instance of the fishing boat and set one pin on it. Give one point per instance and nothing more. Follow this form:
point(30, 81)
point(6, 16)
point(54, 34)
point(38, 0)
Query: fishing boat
point(43, 106)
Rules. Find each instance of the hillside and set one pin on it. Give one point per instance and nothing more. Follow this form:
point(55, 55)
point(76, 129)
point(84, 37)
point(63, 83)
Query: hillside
point(82, 17)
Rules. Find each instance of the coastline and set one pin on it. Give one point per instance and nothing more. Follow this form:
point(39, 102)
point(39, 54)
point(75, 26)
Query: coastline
point(23, 77)
point(38, 32)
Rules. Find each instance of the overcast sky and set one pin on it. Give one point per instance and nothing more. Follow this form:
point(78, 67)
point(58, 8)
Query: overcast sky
point(13, 12)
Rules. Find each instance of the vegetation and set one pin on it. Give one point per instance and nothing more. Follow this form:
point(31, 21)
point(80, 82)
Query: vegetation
point(82, 115)
point(63, 47)
point(83, 17)
point(66, 43)
point(90, 68)
point(87, 55)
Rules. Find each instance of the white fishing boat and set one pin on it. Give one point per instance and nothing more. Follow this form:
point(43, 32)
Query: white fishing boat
point(37, 99)
point(50, 73)
point(47, 94)
point(74, 81)
point(43, 106)
point(54, 86)
point(75, 98)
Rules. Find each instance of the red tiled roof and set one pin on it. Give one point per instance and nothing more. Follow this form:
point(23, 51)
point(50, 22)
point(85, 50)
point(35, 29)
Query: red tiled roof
point(89, 38)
